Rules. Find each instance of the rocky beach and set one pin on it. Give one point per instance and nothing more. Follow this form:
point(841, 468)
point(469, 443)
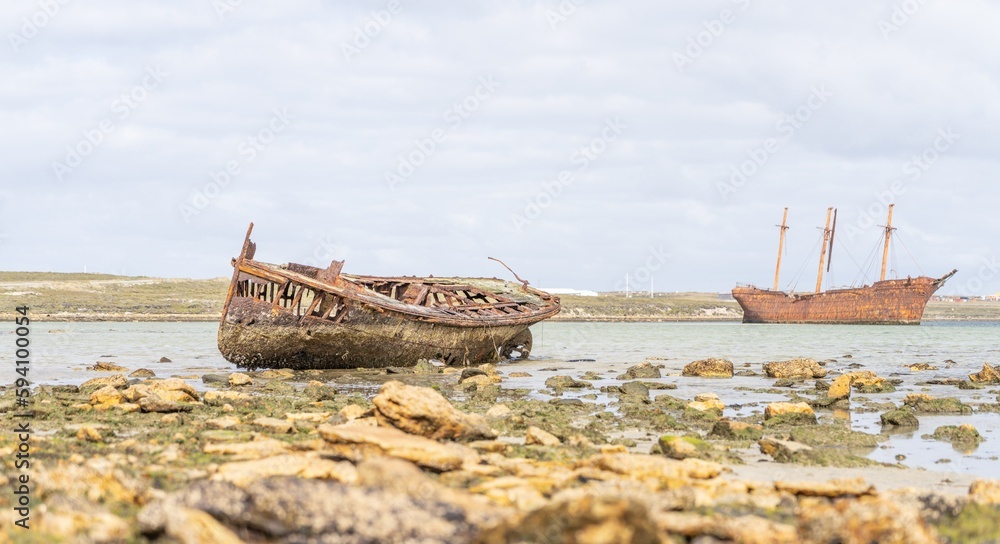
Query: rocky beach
point(637, 453)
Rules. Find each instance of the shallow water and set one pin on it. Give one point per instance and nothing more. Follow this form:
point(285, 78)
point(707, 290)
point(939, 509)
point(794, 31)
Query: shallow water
point(62, 351)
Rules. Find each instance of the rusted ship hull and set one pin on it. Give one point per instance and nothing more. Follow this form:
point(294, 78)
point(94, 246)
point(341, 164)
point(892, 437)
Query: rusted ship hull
point(303, 317)
point(889, 302)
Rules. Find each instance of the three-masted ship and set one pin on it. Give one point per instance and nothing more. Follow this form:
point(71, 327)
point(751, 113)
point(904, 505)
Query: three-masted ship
point(884, 302)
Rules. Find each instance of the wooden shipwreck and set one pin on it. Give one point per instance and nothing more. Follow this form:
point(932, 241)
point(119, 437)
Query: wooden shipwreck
point(884, 302)
point(304, 317)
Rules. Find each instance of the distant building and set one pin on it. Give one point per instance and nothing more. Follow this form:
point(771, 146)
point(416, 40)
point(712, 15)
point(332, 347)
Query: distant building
point(567, 291)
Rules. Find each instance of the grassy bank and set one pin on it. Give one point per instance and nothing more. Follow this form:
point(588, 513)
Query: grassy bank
point(103, 297)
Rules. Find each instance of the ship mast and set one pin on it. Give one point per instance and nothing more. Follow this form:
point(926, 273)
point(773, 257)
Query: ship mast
point(888, 237)
point(822, 254)
point(781, 247)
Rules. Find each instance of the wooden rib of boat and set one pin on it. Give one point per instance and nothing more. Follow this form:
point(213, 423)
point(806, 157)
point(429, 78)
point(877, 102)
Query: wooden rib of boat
point(304, 317)
point(884, 302)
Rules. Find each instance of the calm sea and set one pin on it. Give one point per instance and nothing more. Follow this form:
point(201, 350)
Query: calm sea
point(61, 351)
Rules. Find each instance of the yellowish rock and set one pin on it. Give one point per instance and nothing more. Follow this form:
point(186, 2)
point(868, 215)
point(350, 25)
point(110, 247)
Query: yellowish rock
point(541, 437)
point(357, 443)
point(256, 449)
point(315, 417)
point(193, 526)
point(302, 465)
point(704, 402)
point(985, 491)
point(106, 395)
point(127, 407)
point(831, 488)
point(218, 398)
point(498, 411)
point(273, 424)
point(352, 411)
point(89, 434)
point(237, 379)
point(800, 409)
point(423, 411)
point(840, 388)
point(224, 422)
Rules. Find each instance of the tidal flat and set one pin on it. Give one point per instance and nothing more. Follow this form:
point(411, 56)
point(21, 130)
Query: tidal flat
point(610, 432)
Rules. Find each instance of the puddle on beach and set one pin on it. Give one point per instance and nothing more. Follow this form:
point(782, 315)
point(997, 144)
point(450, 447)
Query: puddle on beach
point(62, 351)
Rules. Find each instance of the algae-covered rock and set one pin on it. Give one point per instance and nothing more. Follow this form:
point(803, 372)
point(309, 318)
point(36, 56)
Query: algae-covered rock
point(920, 367)
point(117, 381)
point(794, 368)
point(634, 391)
point(641, 370)
point(424, 412)
point(607, 519)
point(685, 447)
point(964, 434)
point(106, 366)
point(870, 518)
point(899, 418)
point(319, 391)
point(926, 403)
point(736, 430)
point(566, 382)
point(781, 413)
point(988, 374)
point(783, 451)
point(709, 368)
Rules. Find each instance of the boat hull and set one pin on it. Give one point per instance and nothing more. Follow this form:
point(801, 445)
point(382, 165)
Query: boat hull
point(890, 302)
point(253, 335)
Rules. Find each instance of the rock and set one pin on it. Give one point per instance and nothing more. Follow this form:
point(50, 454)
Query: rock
point(487, 370)
point(106, 366)
point(142, 373)
point(289, 509)
point(257, 449)
point(985, 491)
point(873, 385)
point(319, 391)
point(218, 398)
point(424, 412)
point(352, 412)
point(709, 368)
point(171, 390)
point(899, 418)
point(831, 489)
point(153, 403)
point(864, 519)
point(919, 367)
point(705, 402)
point(165, 360)
point(783, 451)
point(301, 465)
point(357, 443)
point(787, 382)
point(106, 395)
point(777, 413)
point(736, 430)
point(587, 519)
point(840, 388)
point(117, 381)
point(683, 447)
point(215, 379)
point(224, 422)
point(238, 378)
point(313, 417)
point(642, 370)
point(171, 419)
point(273, 424)
point(479, 380)
point(565, 382)
point(988, 374)
point(926, 403)
point(89, 433)
point(498, 411)
point(635, 390)
point(519, 375)
point(278, 374)
point(794, 368)
point(536, 436)
point(962, 435)
point(398, 370)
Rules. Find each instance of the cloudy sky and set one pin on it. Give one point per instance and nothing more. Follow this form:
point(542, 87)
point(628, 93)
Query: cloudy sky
point(579, 141)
